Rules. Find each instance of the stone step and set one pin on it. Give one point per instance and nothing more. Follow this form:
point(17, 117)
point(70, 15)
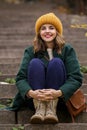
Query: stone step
point(11, 126)
point(64, 117)
point(81, 58)
point(15, 37)
point(23, 117)
point(19, 16)
point(14, 42)
point(14, 60)
point(26, 36)
point(13, 53)
point(9, 68)
point(84, 88)
point(22, 30)
point(85, 78)
point(18, 28)
point(7, 117)
point(18, 60)
point(3, 77)
point(22, 45)
point(7, 91)
point(59, 126)
point(10, 90)
point(16, 53)
point(14, 47)
point(84, 63)
point(21, 42)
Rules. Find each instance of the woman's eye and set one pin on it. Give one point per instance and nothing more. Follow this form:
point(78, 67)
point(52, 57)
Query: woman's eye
point(51, 27)
point(43, 28)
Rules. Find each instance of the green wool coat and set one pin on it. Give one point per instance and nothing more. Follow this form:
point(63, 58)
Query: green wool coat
point(68, 56)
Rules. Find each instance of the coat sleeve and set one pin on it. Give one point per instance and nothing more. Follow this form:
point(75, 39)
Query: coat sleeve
point(21, 78)
point(74, 75)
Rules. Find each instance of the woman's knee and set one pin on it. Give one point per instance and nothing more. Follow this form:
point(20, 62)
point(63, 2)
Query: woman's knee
point(56, 61)
point(35, 61)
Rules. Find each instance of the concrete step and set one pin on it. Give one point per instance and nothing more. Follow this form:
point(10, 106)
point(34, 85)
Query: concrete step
point(7, 91)
point(7, 117)
point(9, 68)
point(17, 42)
point(14, 60)
point(23, 44)
point(85, 78)
point(74, 39)
point(11, 53)
point(84, 88)
point(14, 46)
point(17, 60)
point(11, 126)
point(83, 63)
point(23, 117)
point(28, 29)
point(64, 117)
point(59, 126)
point(3, 77)
point(10, 90)
point(16, 53)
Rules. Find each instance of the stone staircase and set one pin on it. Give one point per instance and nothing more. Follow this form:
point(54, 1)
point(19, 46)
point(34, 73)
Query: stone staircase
point(16, 33)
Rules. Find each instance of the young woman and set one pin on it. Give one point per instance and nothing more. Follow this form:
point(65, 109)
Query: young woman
point(49, 71)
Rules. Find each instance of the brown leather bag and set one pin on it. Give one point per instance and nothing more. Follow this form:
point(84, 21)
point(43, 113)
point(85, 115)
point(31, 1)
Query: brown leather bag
point(76, 104)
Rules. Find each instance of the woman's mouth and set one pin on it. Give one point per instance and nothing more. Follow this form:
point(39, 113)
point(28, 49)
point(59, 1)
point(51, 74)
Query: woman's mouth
point(47, 36)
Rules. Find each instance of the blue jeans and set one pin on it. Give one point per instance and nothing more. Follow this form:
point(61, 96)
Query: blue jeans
point(42, 77)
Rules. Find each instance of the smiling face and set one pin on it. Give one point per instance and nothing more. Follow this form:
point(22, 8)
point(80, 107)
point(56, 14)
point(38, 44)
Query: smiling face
point(48, 33)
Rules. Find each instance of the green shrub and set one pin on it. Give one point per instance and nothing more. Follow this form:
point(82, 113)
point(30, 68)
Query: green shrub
point(18, 128)
point(83, 69)
point(10, 80)
point(2, 106)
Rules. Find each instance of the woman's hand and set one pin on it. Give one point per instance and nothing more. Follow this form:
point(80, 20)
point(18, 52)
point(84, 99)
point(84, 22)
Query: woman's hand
point(45, 94)
point(36, 94)
point(51, 93)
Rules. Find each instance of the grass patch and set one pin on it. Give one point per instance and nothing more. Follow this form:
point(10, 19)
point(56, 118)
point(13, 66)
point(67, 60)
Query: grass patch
point(10, 80)
point(18, 128)
point(2, 106)
point(83, 69)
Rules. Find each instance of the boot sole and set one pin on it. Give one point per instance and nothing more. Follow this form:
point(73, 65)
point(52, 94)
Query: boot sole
point(49, 120)
point(36, 121)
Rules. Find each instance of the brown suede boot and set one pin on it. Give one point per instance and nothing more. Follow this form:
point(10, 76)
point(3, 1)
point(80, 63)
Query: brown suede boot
point(51, 116)
point(40, 107)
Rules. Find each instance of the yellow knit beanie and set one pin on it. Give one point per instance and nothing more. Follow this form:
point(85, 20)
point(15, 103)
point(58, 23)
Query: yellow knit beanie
point(49, 18)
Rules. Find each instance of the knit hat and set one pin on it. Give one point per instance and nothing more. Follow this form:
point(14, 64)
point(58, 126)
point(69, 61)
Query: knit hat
point(49, 18)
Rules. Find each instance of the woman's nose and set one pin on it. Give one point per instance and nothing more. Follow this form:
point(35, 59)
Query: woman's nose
point(47, 29)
